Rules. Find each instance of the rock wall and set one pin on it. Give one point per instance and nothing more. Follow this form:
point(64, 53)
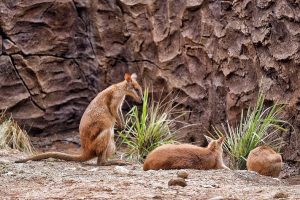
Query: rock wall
point(56, 55)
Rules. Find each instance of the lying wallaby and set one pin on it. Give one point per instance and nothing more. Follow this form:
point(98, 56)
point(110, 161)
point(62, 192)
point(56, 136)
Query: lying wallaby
point(97, 123)
point(187, 156)
point(264, 161)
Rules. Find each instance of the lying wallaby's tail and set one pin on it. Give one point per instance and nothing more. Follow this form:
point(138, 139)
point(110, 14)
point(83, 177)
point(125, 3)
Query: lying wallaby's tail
point(58, 155)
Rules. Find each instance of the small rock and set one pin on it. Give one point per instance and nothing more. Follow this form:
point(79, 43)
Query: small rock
point(217, 198)
point(210, 186)
point(177, 182)
point(157, 197)
point(114, 192)
point(121, 170)
point(182, 174)
point(126, 183)
point(10, 174)
point(280, 195)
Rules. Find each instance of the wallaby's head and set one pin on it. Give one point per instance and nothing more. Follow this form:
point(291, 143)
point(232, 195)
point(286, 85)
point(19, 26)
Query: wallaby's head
point(133, 88)
point(215, 145)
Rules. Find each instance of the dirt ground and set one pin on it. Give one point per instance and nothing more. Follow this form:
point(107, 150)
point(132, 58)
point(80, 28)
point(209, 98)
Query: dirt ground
point(53, 179)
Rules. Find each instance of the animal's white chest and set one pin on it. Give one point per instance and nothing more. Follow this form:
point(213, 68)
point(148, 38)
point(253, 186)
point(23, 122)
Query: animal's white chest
point(121, 103)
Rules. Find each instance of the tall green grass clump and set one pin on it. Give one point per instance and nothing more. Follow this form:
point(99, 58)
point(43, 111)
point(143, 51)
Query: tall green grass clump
point(153, 126)
point(12, 136)
point(260, 125)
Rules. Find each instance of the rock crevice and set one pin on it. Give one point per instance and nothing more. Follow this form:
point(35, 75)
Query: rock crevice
point(56, 55)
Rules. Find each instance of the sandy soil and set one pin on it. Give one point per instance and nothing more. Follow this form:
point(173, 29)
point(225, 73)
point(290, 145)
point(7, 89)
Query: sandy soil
point(52, 179)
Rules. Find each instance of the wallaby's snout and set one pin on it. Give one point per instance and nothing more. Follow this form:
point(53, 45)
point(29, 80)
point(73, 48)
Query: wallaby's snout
point(139, 95)
point(133, 88)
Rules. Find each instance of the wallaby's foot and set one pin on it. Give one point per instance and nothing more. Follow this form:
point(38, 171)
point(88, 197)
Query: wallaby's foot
point(225, 167)
point(115, 162)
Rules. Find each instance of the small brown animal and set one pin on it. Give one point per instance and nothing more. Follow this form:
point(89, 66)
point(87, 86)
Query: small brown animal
point(265, 161)
point(187, 156)
point(98, 121)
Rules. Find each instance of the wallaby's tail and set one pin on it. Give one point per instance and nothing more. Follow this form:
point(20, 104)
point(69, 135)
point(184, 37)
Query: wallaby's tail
point(58, 155)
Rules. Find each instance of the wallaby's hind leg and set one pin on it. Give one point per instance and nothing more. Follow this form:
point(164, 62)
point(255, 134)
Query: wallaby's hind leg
point(111, 148)
point(105, 148)
point(100, 145)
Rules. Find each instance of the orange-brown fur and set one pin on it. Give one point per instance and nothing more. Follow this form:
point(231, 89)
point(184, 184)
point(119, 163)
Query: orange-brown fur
point(186, 156)
point(98, 121)
point(265, 161)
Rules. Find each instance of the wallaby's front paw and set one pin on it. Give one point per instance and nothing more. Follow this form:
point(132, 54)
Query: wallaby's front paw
point(120, 126)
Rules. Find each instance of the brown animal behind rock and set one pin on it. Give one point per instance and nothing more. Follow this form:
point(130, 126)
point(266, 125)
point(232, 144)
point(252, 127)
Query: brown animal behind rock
point(186, 156)
point(97, 123)
point(265, 161)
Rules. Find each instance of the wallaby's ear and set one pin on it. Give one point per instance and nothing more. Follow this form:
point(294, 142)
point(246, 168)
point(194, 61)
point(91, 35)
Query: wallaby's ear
point(127, 77)
point(221, 139)
point(209, 139)
point(134, 76)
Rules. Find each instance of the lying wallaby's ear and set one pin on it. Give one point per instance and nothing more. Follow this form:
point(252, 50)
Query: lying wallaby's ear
point(134, 76)
point(209, 139)
point(127, 77)
point(221, 139)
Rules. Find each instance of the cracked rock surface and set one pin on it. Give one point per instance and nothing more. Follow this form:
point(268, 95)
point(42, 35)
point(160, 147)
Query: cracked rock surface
point(56, 55)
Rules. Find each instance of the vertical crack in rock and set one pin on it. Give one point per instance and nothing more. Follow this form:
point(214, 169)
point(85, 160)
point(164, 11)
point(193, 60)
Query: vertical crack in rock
point(28, 90)
point(84, 77)
point(46, 10)
point(87, 28)
point(89, 39)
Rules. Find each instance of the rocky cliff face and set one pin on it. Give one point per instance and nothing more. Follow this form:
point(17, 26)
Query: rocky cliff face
point(56, 55)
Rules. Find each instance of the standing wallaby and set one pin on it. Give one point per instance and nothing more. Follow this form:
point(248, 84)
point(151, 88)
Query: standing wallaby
point(187, 156)
point(97, 123)
point(265, 161)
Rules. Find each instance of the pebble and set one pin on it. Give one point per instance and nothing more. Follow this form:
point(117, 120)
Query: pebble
point(157, 197)
point(182, 174)
point(210, 186)
point(121, 170)
point(10, 174)
point(280, 195)
point(177, 182)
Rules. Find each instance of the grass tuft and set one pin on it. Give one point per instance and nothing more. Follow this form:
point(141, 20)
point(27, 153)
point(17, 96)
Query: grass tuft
point(260, 125)
point(152, 127)
point(12, 136)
